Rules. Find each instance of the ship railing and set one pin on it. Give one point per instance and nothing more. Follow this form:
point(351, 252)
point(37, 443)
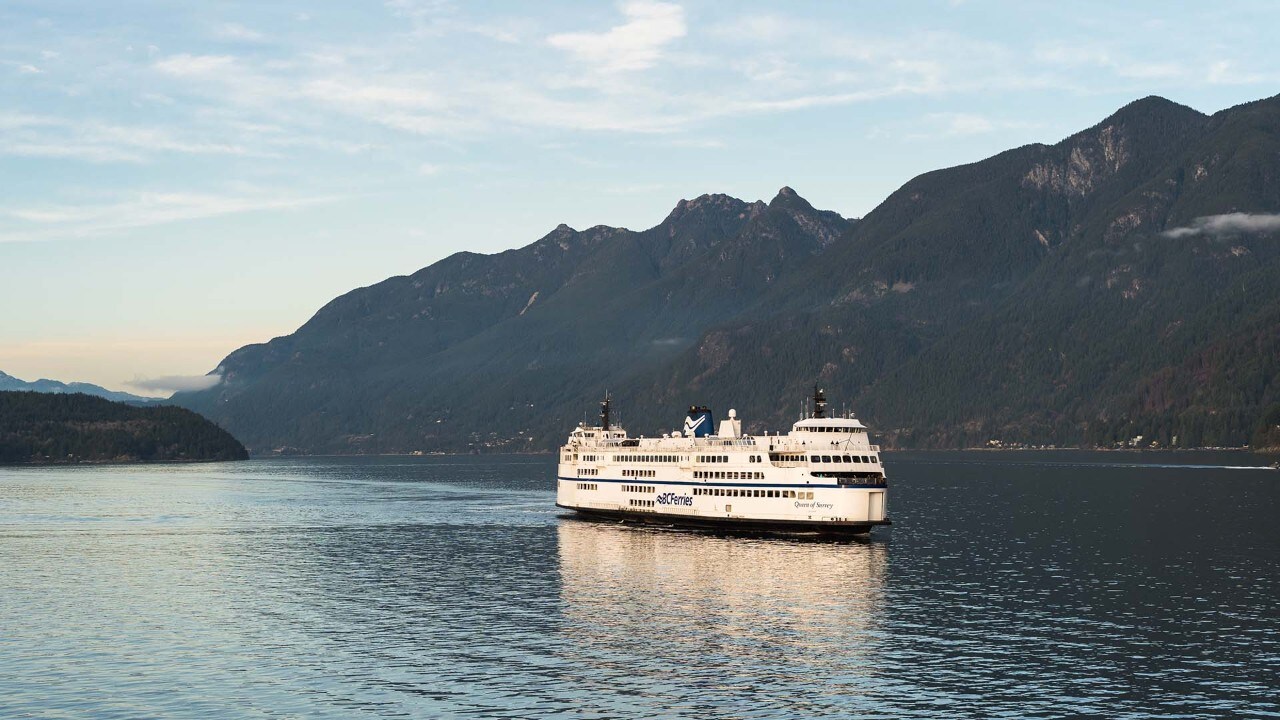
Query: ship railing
point(695, 442)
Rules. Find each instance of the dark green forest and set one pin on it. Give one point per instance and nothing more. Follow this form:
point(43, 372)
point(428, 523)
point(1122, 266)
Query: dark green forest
point(1071, 294)
point(44, 428)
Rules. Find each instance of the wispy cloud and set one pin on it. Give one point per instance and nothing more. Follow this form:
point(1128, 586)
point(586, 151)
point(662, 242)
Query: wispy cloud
point(138, 210)
point(186, 64)
point(1225, 72)
point(1077, 56)
point(175, 383)
point(27, 135)
point(238, 32)
point(943, 126)
point(636, 44)
point(1227, 225)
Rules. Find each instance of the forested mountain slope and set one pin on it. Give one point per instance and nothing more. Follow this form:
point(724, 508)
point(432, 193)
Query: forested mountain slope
point(1069, 293)
point(62, 428)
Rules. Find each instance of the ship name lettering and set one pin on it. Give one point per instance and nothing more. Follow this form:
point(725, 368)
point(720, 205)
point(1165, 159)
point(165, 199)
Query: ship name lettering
point(674, 499)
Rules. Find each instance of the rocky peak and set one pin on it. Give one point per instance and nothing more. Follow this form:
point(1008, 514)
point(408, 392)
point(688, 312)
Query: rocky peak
point(715, 204)
point(790, 200)
point(1142, 129)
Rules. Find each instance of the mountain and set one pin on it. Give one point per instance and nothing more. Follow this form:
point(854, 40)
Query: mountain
point(57, 428)
point(501, 348)
point(11, 383)
point(1118, 283)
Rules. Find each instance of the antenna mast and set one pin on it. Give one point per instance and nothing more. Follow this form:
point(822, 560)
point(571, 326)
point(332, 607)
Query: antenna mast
point(819, 403)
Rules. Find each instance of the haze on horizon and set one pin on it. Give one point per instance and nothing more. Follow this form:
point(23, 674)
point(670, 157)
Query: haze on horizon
point(185, 180)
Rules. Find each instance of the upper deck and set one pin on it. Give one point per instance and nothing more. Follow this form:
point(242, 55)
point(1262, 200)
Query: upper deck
point(807, 433)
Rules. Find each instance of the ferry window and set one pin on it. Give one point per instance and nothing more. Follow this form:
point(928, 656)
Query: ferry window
point(808, 495)
point(826, 458)
point(873, 459)
point(814, 459)
point(836, 458)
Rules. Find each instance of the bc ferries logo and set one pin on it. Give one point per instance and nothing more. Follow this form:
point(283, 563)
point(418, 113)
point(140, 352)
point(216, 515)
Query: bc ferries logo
point(691, 425)
point(674, 499)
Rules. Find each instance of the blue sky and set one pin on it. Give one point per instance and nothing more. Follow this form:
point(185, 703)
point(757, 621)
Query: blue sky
point(182, 179)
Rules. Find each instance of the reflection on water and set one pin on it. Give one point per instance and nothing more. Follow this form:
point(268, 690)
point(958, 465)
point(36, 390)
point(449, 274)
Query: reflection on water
point(695, 622)
point(452, 587)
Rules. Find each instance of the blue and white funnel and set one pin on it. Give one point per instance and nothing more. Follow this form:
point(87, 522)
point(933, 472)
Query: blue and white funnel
point(699, 423)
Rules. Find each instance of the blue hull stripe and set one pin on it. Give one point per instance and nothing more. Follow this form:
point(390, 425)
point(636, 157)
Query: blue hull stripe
point(695, 483)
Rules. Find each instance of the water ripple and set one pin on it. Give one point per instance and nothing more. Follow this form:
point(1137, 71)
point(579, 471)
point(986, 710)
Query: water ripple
point(450, 587)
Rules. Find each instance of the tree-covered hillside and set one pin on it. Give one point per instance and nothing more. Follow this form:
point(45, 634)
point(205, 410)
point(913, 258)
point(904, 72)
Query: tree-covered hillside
point(1119, 283)
point(72, 428)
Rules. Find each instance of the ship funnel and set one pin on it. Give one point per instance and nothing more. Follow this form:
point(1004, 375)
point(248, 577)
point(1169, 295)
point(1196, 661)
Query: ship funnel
point(699, 422)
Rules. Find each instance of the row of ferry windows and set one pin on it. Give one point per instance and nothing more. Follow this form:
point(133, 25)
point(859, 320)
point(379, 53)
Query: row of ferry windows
point(842, 458)
point(726, 475)
point(639, 488)
point(836, 429)
point(649, 458)
point(639, 473)
point(635, 502)
point(744, 492)
point(588, 486)
point(587, 471)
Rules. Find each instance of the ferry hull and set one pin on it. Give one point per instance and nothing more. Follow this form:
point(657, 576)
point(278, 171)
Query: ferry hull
point(824, 528)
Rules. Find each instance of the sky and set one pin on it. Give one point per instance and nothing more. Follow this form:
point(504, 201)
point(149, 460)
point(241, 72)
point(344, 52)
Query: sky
point(182, 179)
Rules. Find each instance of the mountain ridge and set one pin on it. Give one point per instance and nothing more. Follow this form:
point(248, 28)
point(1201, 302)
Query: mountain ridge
point(44, 385)
point(1037, 250)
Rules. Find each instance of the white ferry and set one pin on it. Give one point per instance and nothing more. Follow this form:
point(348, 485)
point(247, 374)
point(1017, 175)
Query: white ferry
point(823, 477)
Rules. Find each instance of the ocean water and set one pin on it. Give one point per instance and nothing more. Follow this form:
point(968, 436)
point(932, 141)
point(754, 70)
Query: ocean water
point(1011, 585)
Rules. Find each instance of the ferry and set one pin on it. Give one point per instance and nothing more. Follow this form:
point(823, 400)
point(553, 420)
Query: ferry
point(823, 477)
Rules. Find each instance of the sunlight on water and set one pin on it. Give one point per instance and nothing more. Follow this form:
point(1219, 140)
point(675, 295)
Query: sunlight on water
point(451, 587)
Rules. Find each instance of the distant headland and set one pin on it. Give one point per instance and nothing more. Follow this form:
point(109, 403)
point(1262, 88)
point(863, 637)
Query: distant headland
point(46, 429)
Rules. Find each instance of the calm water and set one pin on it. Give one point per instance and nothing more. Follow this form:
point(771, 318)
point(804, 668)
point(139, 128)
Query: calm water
point(1013, 585)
